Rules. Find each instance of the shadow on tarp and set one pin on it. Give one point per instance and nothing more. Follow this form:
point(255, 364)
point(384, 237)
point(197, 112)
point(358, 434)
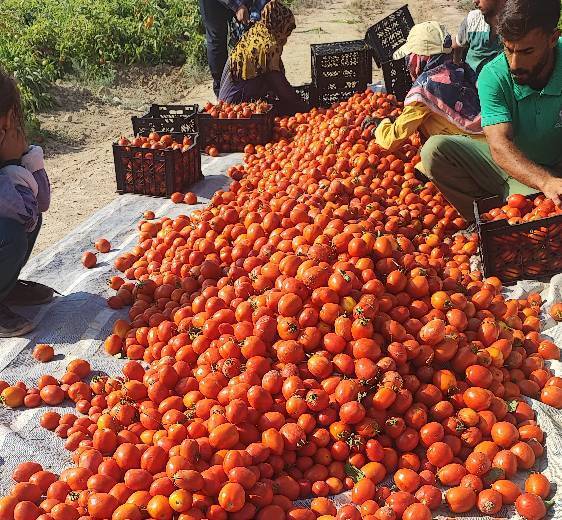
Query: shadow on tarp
point(67, 319)
point(208, 186)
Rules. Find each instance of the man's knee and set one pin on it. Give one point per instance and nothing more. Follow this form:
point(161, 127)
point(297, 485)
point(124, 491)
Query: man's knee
point(437, 151)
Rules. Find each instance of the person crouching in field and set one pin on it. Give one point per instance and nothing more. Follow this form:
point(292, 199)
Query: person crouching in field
point(521, 97)
point(255, 69)
point(443, 99)
point(24, 195)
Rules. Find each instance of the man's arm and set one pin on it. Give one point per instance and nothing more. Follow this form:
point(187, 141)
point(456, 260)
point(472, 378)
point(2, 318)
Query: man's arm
point(458, 53)
point(460, 42)
point(239, 8)
point(516, 164)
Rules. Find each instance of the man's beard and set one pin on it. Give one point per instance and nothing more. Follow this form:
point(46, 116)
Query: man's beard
point(489, 15)
point(526, 77)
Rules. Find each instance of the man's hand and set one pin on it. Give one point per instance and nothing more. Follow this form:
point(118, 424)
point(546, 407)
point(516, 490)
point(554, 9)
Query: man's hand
point(13, 144)
point(458, 55)
point(553, 190)
point(242, 14)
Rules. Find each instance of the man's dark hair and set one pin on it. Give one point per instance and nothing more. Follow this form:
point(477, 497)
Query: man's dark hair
point(519, 17)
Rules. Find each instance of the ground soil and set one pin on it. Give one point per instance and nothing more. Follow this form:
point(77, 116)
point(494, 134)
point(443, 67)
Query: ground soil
point(79, 131)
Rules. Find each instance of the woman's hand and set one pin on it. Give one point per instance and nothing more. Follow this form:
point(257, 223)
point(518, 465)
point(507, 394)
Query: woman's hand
point(13, 143)
point(242, 15)
point(368, 121)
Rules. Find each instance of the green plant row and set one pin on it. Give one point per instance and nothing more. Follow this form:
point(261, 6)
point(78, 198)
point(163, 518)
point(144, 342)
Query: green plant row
point(43, 40)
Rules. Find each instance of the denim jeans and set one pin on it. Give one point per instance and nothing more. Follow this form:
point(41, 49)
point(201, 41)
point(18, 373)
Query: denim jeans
point(216, 18)
point(15, 249)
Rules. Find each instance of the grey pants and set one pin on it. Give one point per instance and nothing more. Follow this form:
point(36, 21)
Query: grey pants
point(463, 169)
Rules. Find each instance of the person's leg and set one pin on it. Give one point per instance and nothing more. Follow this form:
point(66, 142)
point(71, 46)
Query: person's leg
point(14, 247)
point(32, 238)
point(463, 169)
point(24, 292)
point(215, 18)
point(13, 251)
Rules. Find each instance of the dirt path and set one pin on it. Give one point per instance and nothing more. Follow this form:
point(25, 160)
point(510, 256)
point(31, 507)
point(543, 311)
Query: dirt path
point(79, 156)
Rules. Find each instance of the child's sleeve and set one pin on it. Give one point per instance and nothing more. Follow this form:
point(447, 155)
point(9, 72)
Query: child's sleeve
point(33, 161)
point(17, 201)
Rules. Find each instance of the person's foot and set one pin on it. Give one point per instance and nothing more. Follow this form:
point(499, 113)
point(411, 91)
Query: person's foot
point(29, 293)
point(13, 325)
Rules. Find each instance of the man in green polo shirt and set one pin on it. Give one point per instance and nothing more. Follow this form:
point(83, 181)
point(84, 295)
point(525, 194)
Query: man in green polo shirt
point(521, 98)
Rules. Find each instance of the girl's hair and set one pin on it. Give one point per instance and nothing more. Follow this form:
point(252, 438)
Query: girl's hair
point(10, 98)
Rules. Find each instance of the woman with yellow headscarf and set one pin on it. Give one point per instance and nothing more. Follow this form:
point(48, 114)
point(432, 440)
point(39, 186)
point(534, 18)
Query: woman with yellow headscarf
point(255, 69)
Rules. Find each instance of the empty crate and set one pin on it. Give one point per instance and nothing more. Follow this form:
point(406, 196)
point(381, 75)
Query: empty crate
point(387, 36)
point(167, 119)
point(340, 69)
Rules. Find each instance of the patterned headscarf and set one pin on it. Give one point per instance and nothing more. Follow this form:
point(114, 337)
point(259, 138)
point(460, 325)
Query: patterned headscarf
point(447, 89)
point(260, 48)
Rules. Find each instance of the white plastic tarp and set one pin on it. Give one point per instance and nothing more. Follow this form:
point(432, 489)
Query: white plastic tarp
point(77, 323)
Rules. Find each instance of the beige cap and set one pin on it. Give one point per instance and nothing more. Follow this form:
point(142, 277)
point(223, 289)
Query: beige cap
point(425, 39)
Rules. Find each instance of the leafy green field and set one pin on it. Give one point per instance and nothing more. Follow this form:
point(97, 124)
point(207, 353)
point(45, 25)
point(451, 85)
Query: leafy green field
point(43, 40)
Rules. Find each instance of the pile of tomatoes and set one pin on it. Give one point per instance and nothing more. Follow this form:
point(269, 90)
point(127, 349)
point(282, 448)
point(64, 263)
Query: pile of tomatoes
point(315, 329)
point(224, 110)
point(519, 209)
point(228, 128)
point(144, 163)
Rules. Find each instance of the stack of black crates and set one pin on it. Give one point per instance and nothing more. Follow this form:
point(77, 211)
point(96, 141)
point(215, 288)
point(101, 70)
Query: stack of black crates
point(384, 39)
point(339, 70)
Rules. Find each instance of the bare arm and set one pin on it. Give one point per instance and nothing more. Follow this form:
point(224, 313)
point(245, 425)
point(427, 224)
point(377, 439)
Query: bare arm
point(458, 52)
point(516, 164)
point(460, 42)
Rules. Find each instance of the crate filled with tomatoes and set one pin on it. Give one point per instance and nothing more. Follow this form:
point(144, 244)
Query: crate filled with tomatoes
point(167, 119)
point(157, 165)
point(230, 127)
point(520, 238)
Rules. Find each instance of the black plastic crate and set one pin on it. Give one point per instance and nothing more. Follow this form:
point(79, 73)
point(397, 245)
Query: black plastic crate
point(306, 92)
point(167, 119)
point(349, 60)
point(232, 135)
point(397, 78)
point(387, 36)
point(527, 251)
point(157, 173)
point(339, 90)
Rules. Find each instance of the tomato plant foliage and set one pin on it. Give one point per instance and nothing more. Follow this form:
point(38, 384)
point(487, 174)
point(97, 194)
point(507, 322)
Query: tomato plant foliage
point(43, 40)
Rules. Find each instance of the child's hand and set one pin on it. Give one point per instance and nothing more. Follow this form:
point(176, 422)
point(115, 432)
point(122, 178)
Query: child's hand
point(13, 144)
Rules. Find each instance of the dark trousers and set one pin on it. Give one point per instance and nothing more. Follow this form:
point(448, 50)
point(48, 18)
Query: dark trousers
point(287, 101)
point(15, 249)
point(216, 17)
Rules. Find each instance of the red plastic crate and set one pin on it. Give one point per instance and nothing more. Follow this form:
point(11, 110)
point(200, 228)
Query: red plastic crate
point(528, 251)
point(157, 173)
